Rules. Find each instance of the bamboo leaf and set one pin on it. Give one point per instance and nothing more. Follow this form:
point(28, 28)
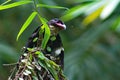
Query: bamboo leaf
point(46, 36)
point(2, 7)
point(109, 8)
point(42, 64)
point(74, 12)
point(47, 64)
point(40, 55)
point(49, 6)
point(53, 72)
point(47, 32)
point(26, 24)
point(92, 16)
point(6, 2)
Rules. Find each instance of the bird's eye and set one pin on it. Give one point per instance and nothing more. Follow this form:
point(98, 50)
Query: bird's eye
point(60, 22)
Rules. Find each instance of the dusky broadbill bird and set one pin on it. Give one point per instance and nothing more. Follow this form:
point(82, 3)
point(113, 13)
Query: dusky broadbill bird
point(54, 48)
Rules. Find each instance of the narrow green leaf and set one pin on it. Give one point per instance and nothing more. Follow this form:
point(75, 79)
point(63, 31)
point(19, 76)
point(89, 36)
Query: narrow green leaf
point(42, 64)
point(31, 57)
point(34, 78)
point(49, 6)
point(47, 64)
point(57, 68)
point(109, 8)
point(54, 64)
point(5, 2)
point(48, 49)
point(2, 7)
point(53, 38)
point(47, 32)
point(26, 24)
point(46, 36)
point(75, 11)
point(40, 55)
point(53, 72)
point(30, 49)
point(91, 17)
point(35, 39)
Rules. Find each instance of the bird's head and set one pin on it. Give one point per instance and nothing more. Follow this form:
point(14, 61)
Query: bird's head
point(56, 25)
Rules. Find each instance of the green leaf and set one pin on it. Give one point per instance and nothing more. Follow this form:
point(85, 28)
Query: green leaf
point(42, 64)
point(53, 38)
point(40, 55)
point(91, 17)
point(57, 68)
point(34, 78)
point(48, 49)
point(49, 6)
point(109, 8)
point(47, 64)
point(35, 39)
point(54, 64)
point(30, 57)
point(46, 35)
point(74, 12)
point(53, 72)
point(6, 2)
point(26, 24)
point(2, 7)
point(47, 32)
point(30, 49)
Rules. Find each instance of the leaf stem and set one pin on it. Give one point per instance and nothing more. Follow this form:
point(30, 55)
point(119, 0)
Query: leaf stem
point(35, 7)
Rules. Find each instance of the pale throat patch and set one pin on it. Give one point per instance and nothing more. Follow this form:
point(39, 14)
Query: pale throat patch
point(54, 30)
point(58, 51)
point(52, 27)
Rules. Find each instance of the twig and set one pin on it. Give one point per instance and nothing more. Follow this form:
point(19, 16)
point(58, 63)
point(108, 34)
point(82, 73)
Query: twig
point(12, 64)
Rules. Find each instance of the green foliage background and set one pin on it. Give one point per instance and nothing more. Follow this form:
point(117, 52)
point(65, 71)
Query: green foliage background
point(91, 40)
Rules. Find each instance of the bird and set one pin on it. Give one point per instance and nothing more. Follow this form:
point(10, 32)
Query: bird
point(54, 49)
point(54, 46)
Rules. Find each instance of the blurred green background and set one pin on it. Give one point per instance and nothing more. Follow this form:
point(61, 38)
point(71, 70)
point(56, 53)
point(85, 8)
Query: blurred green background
point(91, 40)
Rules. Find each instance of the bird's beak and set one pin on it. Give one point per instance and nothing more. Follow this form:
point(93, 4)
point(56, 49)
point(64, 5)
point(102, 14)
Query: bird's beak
point(62, 26)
